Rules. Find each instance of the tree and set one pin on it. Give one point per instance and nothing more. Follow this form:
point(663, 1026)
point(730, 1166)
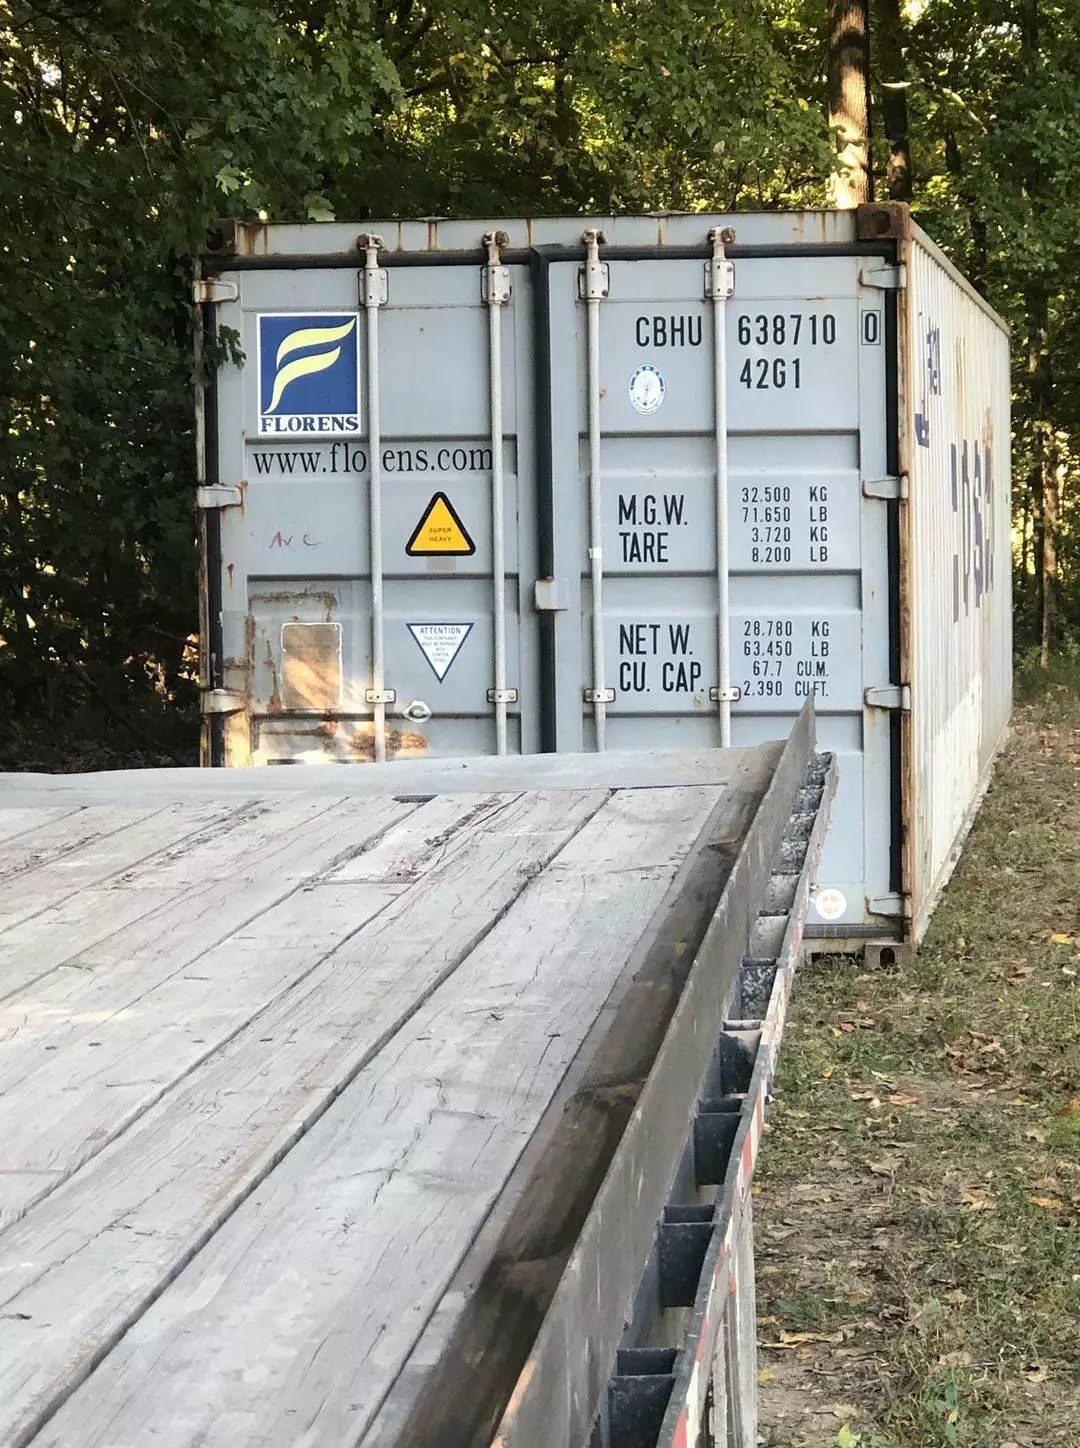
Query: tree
point(995, 112)
point(888, 50)
point(849, 100)
point(124, 132)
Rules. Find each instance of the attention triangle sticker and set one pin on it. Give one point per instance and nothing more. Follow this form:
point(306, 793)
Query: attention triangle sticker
point(440, 643)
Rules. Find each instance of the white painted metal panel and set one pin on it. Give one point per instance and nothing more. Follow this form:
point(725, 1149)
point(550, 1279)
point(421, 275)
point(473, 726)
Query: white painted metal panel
point(959, 566)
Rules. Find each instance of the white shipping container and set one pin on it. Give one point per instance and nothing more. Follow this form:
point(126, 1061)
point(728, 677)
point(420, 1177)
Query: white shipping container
point(618, 483)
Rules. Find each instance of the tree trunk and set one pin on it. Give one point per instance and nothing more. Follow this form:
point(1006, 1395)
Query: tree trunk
point(889, 48)
point(1047, 467)
point(1043, 478)
point(849, 100)
point(1052, 484)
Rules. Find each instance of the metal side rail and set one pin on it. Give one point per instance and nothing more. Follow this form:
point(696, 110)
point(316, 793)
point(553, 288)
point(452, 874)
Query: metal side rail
point(700, 1391)
point(617, 1348)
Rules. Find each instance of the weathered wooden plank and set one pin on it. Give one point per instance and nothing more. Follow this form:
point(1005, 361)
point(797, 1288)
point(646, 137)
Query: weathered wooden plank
point(62, 837)
point(615, 769)
point(243, 844)
point(20, 822)
point(452, 1390)
point(163, 914)
point(167, 1001)
point(561, 1381)
point(291, 1324)
point(32, 885)
point(83, 1265)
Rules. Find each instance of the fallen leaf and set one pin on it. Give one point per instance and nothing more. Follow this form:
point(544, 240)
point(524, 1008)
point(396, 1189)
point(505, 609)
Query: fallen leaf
point(766, 1375)
point(1060, 938)
point(1037, 1374)
point(1035, 1133)
point(844, 1410)
point(798, 1339)
point(977, 1202)
point(885, 1168)
point(827, 1071)
point(1050, 1203)
point(1073, 1104)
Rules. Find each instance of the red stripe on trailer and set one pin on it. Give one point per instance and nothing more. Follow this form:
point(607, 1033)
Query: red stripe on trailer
point(747, 1163)
point(680, 1438)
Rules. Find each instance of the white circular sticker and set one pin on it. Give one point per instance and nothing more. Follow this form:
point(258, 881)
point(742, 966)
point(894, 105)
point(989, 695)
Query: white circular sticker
point(830, 904)
point(647, 388)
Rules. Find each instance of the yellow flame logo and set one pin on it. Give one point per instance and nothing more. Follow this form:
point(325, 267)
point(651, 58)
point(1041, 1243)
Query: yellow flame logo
point(314, 362)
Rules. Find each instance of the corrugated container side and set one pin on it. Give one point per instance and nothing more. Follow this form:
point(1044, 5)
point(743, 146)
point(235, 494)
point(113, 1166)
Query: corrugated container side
point(957, 566)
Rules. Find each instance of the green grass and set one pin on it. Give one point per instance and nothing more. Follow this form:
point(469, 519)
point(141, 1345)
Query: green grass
point(919, 1190)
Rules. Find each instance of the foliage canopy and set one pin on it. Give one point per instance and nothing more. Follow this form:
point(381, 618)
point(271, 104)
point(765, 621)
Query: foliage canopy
point(126, 131)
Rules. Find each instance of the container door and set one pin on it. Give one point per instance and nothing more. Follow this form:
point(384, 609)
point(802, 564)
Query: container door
point(298, 557)
point(806, 387)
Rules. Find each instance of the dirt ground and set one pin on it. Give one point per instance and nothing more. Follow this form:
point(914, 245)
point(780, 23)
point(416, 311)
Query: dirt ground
point(918, 1195)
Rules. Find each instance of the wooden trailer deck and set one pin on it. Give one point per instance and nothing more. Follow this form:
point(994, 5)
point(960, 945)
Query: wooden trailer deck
point(272, 1046)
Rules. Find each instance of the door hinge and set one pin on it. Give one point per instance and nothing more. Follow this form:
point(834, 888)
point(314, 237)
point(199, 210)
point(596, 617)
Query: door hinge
point(502, 696)
point(594, 281)
point(719, 272)
point(374, 287)
point(719, 280)
point(218, 495)
point(373, 283)
point(213, 289)
point(594, 278)
point(887, 905)
point(598, 696)
point(883, 276)
point(380, 696)
point(551, 595)
point(223, 701)
point(730, 695)
point(495, 285)
point(888, 696)
point(889, 490)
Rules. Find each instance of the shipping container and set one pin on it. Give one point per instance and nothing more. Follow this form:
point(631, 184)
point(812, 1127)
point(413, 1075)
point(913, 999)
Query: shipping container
point(611, 483)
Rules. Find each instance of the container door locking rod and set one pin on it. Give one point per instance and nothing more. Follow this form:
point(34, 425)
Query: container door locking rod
point(595, 284)
point(719, 285)
point(496, 296)
point(374, 290)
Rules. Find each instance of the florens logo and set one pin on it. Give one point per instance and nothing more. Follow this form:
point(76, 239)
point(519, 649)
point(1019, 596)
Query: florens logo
point(309, 373)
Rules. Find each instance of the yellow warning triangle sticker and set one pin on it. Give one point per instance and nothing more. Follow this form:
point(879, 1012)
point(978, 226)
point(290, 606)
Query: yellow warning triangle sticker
point(440, 532)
